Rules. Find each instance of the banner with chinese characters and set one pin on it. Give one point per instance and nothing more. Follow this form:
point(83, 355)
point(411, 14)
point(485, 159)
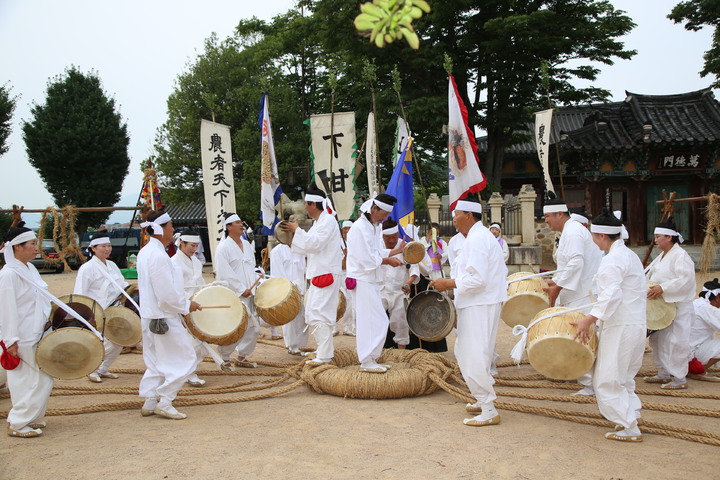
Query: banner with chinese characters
point(338, 146)
point(543, 121)
point(371, 155)
point(216, 154)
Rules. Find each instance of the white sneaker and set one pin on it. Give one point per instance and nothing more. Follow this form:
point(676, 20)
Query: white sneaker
point(168, 411)
point(195, 381)
point(148, 407)
point(95, 378)
point(585, 392)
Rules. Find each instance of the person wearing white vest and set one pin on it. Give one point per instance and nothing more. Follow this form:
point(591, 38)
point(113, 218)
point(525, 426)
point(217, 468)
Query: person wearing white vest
point(479, 292)
point(23, 314)
point(322, 246)
point(235, 265)
point(284, 263)
point(704, 344)
point(364, 260)
point(396, 285)
point(619, 313)
point(674, 272)
point(167, 347)
point(100, 279)
point(578, 259)
point(190, 268)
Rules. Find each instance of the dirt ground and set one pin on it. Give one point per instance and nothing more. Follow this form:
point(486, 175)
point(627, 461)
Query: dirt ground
point(303, 435)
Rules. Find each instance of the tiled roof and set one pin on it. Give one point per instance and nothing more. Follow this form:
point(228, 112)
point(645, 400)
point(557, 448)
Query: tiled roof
point(190, 213)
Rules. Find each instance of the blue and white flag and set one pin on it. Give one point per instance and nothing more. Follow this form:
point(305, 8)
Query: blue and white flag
point(270, 190)
point(401, 187)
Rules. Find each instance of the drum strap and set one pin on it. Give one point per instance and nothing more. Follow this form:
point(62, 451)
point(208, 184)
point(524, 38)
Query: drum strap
point(25, 276)
point(519, 347)
point(122, 290)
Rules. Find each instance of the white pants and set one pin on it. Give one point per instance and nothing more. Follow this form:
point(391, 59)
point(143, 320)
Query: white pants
point(619, 357)
point(170, 359)
point(395, 305)
point(475, 347)
point(371, 321)
point(112, 352)
point(199, 352)
point(671, 345)
point(321, 316)
point(29, 389)
point(294, 332)
point(246, 344)
point(707, 350)
point(349, 317)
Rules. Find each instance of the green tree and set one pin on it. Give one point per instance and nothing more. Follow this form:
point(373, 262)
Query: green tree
point(696, 14)
point(78, 143)
point(7, 107)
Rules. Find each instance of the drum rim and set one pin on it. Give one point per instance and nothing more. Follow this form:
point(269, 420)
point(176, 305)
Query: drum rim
point(98, 345)
point(225, 339)
point(97, 309)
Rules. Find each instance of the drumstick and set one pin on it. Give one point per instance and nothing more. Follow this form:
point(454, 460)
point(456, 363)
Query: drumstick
point(532, 276)
point(214, 306)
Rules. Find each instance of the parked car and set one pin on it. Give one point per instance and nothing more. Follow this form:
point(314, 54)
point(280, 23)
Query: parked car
point(41, 264)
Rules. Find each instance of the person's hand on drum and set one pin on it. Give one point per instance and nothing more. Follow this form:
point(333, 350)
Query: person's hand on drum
point(442, 284)
point(583, 328)
point(289, 226)
point(654, 292)
point(246, 293)
point(392, 261)
point(552, 290)
point(194, 306)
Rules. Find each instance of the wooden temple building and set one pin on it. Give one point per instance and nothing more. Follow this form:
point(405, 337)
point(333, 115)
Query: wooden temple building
point(626, 153)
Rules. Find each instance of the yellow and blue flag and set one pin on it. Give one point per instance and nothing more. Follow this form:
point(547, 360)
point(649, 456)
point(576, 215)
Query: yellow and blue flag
point(401, 187)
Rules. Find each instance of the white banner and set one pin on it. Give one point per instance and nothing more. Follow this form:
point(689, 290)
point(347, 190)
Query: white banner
point(371, 155)
point(543, 123)
point(341, 145)
point(270, 190)
point(402, 134)
point(216, 154)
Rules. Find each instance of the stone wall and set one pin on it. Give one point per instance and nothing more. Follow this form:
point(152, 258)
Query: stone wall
point(545, 238)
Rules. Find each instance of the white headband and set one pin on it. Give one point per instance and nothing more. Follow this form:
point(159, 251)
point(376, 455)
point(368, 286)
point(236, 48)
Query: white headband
point(495, 225)
point(157, 224)
point(190, 238)
point(705, 291)
point(365, 207)
point(326, 202)
point(390, 231)
point(8, 250)
point(346, 224)
point(465, 206)
point(555, 208)
point(232, 218)
point(668, 231)
point(579, 218)
point(99, 241)
point(606, 229)
point(314, 198)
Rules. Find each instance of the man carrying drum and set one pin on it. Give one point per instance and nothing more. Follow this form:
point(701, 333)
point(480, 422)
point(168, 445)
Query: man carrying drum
point(364, 259)
point(323, 248)
point(235, 265)
point(396, 286)
point(620, 315)
point(285, 263)
point(674, 272)
point(167, 347)
point(23, 314)
point(189, 267)
point(100, 279)
point(478, 300)
point(578, 259)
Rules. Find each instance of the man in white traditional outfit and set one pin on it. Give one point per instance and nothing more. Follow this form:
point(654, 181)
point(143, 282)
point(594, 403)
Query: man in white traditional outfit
point(347, 286)
point(396, 285)
point(479, 292)
point(190, 268)
point(284, 263)
point(322, 246)
point(235, 265)
point(496, 230)
point(620, 316)
point(364, 260)
point(704, 344)
point(167, 347)
point(100, 279)
point(23, 314)
point(674, 272)
point(578, 259)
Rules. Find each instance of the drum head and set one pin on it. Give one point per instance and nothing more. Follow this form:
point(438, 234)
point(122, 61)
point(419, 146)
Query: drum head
point(521, 308)
point(272, 292)
point(660, 314)
point(122, 326)
point(88, 309)
point(431, 316)
point(414, 252)
point(69, 353)
point(282, 236)
point(220, 326)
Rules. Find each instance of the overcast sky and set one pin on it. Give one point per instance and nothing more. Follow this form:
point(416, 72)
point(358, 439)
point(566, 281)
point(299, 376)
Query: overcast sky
point(138, 48)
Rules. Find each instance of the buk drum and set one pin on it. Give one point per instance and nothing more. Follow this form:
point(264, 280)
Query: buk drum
point(525, 299)
point(219, 326)
point(278, 301)
point(283, 236)
point(69, 353)
point(431, 316)
point(660, 314)
point(342, 305)
point(414, 252)
point(552, 350)
point(122, 326)
point(85, 306)
point(134, 293)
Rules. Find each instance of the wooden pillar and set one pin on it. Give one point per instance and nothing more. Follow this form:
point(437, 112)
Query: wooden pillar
point(638, 214)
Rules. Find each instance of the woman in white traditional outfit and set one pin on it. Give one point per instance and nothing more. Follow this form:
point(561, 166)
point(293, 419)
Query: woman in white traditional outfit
point(704, 344)
point(620, 316)
point(100, 279)
point(674, 272)
point(286, 264)
point(190, 268)
point(479, 293)
point(167, 346)
point(496, 230)
point(23, 314)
